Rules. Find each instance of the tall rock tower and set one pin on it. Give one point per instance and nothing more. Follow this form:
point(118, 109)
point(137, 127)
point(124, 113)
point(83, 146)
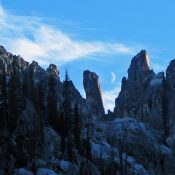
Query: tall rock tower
point(93, 93)
point(142, 93)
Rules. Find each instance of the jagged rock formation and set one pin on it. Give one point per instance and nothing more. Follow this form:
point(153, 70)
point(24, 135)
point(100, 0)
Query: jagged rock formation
point(92, 88)
point(38, 72)
point(29, 134)
point(5, 54)
point(53, 69)
point(170, 102)
point(142, 93)
point(153, 156)
point(130, 101)
point(149, 97)
point(31, 144)
point(39, 75)
point(76, 98)
point(139, 67)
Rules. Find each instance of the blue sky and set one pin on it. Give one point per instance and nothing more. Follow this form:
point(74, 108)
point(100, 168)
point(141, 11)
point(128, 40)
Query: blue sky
point(99, 35)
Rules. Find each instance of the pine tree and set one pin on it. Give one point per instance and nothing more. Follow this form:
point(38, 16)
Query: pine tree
point(21, 153)
point(3, 101)
point(88, 146)
point(14, 99)
point(41, 119)
point(66, 114)
point(83, 169)
point(77, 127)
point(52, 103)
point(31, 88)
point(62, 127)
point(4, 139)
point(66, 120)
point(164, 106)
point(24, 90)
point(41, 97)
point(67, 106)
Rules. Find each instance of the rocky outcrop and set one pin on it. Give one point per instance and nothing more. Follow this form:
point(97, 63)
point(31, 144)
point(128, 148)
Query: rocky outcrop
point(53, 70)
point(142, 93)
point(170, 102)
point(153, 156)
point(139, 67)
point(7, 58)
point(130, 145)
point(76, 98)
point(130, 100)
point(92, 88)
point(38, 72)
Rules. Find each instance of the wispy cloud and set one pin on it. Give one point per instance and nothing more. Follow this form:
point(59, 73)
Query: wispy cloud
point(109, 97)
point(31, 38)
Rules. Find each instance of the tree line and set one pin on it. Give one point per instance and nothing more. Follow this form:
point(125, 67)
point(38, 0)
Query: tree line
point(18, 93)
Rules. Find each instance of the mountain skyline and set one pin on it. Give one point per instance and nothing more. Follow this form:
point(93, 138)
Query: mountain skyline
point(101, 42)
point(48, 128)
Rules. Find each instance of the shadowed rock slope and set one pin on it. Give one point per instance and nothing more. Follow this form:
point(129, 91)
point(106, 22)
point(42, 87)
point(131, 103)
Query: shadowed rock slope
point(47, 128)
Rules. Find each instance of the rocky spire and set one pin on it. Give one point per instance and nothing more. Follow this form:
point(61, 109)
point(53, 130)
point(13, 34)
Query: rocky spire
point(170, 70)
point(170, 102)
point(93, 93)
point(2, 50)
point(142, 93)
point(139, 66)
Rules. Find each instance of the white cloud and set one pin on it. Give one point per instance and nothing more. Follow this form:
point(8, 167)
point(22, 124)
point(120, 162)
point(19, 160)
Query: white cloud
point(1, 12)
point(32, 49)
point(113, 77)
point(109, 98)
point(33, 39)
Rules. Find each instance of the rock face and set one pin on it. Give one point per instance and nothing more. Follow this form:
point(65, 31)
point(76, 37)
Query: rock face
point(39, 74)
point(53, 69)
point(131, 145)
point(150, 152)
point(139, 67)
point(6, 59)
point(142, 93)
point(93, 93)
point(149, 97)
point(170, 102)
point(76, 98)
